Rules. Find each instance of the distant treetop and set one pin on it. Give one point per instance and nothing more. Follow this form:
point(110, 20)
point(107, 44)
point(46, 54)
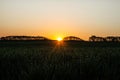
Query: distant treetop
point(72, 38)
point(107, 39)
point(24, 38)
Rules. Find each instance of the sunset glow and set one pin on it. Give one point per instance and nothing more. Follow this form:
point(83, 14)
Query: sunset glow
point(51, 18)
point(59, 39)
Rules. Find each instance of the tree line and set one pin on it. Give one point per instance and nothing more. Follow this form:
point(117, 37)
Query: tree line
point(93, 38)
point(24, 38)
point(104, 39)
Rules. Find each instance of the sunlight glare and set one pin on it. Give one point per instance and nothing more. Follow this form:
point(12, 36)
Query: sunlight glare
point(59, 39)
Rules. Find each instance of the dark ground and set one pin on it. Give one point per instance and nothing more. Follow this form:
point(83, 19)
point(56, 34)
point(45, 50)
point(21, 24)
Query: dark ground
point(52, 60)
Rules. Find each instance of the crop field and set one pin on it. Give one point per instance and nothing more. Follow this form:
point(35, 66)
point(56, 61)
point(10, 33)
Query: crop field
point(59, 62)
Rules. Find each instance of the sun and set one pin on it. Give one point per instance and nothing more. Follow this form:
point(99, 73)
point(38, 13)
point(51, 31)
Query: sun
point(59, 39)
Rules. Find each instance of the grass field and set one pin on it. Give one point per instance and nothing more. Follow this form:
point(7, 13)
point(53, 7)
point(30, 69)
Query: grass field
point(59, 61)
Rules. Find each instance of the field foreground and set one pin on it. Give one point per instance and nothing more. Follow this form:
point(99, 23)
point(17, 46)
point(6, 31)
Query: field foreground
point(59, 62)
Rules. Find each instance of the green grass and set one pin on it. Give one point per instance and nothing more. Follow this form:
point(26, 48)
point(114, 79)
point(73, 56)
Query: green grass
point(59, 63)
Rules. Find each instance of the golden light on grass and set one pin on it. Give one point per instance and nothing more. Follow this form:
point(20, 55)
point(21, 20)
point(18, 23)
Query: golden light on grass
point(59, 39)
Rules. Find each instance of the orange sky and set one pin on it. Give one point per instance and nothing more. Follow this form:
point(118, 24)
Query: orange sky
point(50, 18)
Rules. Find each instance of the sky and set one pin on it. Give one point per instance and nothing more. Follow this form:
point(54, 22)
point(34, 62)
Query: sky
point(54, 18)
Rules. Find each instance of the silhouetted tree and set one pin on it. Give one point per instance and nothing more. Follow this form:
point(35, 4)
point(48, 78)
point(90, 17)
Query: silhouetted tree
point(94, 38)
point(118, 38)
point(112, 39)
point(72, 38)
point(108, 39)
point(24, 38)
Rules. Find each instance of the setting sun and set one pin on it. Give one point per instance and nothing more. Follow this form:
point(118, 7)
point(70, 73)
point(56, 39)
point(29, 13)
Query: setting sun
point(59, 39)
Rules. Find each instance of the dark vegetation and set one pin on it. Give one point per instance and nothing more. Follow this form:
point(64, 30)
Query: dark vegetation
point(104, 39)
point(52, 60)
point(68, 38)
point(24, 38)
